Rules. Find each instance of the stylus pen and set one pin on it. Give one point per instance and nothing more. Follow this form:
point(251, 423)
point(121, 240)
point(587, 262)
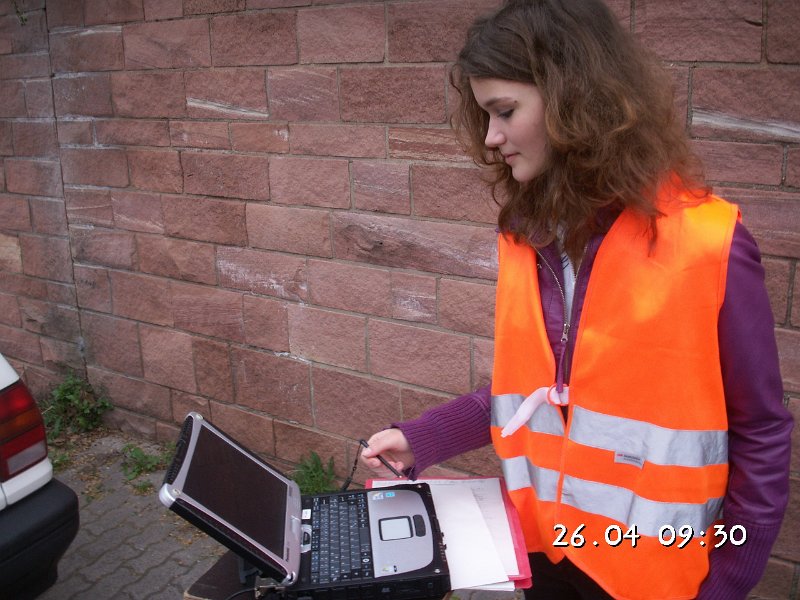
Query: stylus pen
point(384, 462)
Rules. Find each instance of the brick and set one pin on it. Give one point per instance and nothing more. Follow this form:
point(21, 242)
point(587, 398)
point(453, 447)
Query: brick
point(786, 545)
point(199, 134)
point(446, 248)
point(228, 175)
point(375, 402)
point(156, 170)
point(97, 12)
point(310, 182)
point(93, 288)
point(745, 104)
point(295, 443)
point(208, 311)
point(39, 98)
point(433, 30)
point(64, 14)
point(74, 132)
point(49, 319)
point(205, 219)
point(20, 344)
point(432, 359)
point(414, 298)
point(776, 581)
point(199, 7)
point(741, 163)
point(380, 94)
point(277, 386)
point(253, 430)
point(328, 337)
point(61, 293)
point(131, 423)
point(771, 216)
point(453, 193)
point(295, 230)
point(33, 177)
point(177, 259)
point(83, 95)
point(6, 138)
point(718, 30)
point(89, 207)
point(35, 138)
point(259, 137)
point(794, 409)
point(415, 402)
point(124, 132)
point(156, 10)
point(136, 211)
point(167, 358)
point(381, 187)
point(264, 273)
point(30, 36)
point(167, 44)
point(482, 361)
point(145, 94)
point(132, 394)
point(212, 369)
point(467, 307)
point(425, 143)
point(303, 93)
point(48, 216)
point(789, 351)
point(793, 167)
point(261, 38)
point(12, 99)
point(254, 4)
point(24, 66)
point(182, 404)
point(87, 50)
point(350, 287)
point(342, 34)
point(141, 298)
point(266, 323)
point(61, 356)
point(358, 141)
point(782, 18)
point(112, 343)
point(9, 311)
point(14, 213)
point(778, 277)
point(13, 282)
point(227, 94)
point(46, 257)
point(103, 247)
point(90, 166)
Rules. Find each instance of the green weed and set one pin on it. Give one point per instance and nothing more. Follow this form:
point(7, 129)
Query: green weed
point(313, 477)
point(73, 407)
point(136, 462)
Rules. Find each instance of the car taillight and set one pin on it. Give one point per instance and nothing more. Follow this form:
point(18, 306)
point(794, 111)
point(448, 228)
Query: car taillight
point(23, 441)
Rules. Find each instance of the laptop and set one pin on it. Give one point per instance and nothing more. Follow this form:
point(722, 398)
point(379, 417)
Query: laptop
point(360, 544)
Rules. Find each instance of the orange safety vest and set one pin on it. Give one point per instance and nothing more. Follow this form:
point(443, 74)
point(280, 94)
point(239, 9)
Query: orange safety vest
point(642, 456)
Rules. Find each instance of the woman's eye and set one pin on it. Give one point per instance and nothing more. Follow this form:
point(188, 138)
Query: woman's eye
point(505, 114)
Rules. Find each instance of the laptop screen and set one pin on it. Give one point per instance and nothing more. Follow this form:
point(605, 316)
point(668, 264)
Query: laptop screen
point(241, 492)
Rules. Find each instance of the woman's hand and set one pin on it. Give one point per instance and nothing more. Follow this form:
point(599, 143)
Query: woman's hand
point(395, 449)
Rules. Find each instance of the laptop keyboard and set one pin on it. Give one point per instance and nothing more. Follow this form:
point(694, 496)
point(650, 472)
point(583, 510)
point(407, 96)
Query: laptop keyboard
point(340, 543)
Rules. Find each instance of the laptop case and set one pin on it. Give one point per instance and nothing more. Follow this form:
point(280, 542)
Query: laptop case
point(356, 544)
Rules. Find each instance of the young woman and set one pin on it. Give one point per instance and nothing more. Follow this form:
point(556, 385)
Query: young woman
point(636, 402)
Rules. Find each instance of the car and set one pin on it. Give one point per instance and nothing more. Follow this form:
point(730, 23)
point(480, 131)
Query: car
point(39, 515)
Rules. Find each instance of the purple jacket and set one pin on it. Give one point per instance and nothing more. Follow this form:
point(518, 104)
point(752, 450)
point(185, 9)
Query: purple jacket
point(759, 425)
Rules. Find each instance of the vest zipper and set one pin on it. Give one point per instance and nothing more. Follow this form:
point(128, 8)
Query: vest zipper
point(566, 328)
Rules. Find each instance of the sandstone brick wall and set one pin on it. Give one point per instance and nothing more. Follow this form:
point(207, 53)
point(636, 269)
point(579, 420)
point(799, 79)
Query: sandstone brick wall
point(255, 208)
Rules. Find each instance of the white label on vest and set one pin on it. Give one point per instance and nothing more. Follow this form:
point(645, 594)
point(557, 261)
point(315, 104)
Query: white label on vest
point(628, 459)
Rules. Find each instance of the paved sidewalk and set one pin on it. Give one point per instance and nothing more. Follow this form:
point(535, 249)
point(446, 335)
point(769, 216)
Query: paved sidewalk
point(129, 547)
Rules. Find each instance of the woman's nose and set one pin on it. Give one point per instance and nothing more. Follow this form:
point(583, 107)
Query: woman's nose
point(494, 137)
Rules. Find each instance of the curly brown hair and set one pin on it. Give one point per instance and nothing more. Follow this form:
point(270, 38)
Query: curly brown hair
point(610, 118)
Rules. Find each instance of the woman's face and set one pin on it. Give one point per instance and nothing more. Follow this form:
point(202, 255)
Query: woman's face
point(516, 124)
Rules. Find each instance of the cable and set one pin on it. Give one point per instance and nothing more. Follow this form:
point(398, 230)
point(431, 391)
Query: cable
point(349, 479)
point(244, 591)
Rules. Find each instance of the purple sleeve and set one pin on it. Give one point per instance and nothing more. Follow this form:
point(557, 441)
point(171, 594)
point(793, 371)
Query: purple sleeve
point(759, 426)
point(448, 430)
